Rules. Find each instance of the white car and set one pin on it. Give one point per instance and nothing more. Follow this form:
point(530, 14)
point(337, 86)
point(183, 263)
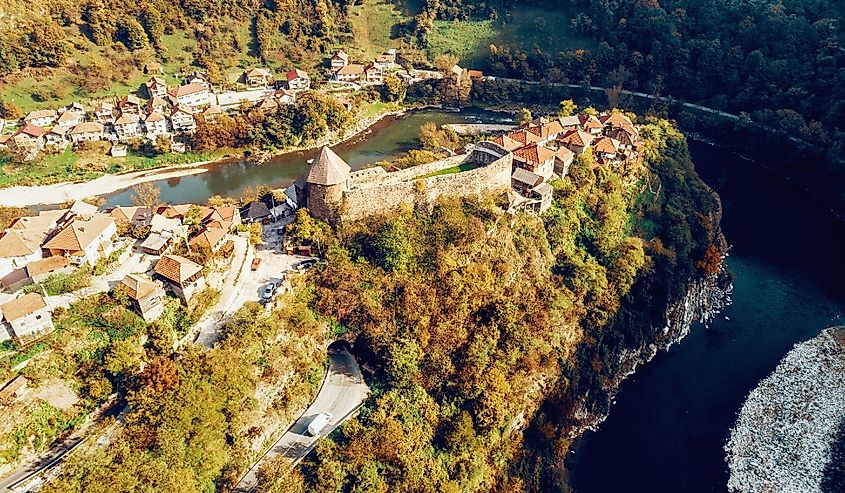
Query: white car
point(318, 423)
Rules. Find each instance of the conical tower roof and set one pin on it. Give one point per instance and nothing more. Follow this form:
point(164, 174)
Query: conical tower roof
point(328, 169)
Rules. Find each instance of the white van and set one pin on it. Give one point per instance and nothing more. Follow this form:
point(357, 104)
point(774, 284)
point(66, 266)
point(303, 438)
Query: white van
point(318, 423)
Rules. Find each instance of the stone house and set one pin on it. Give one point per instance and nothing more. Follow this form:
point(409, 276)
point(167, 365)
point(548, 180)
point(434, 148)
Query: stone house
point(156, 87)
point(128, 126)
point(86, 131)
point(193, 94)
point(350, 73)
point(298, 80)
point(84, 241)
point(41, 118)
point(157, 103)
point(546, 131)
point(524, 137)
point(182, 276)
point(523, 181)
point(507, 143)
point(257, 77)
point(255, 211)
point(146, 295)
point(563, 160)
point(340, 59)
point(27, 318)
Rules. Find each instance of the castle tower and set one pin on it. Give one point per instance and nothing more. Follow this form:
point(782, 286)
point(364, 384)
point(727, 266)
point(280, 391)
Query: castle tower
point(326, 181)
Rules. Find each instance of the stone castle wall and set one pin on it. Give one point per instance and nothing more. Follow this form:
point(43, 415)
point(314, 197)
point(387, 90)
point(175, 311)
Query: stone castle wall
point(375, 192)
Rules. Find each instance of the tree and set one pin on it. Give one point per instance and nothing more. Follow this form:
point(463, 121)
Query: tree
point(163, 144)
point(524, 117)
point(444, 63)
point(132, 34)
point(393, 89)
point(146, 195)
point(567, 108)
point(9, 110)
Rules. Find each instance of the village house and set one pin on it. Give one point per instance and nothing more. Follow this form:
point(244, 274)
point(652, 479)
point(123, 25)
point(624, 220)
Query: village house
point(546, 131)
point(162, 231)
point(257, 77)
point(29, 138)
point(223, 217)
point(267, 106)
point(387, 59)
point(84, 241)
point(298, 80)
point(70, 118)
point(350, 73)
point(210, 238)
point(104, 112)
point(606, 149)
point(156, 124)
point(182, 276)
point(27, 318)
point(212, 113)
point(56, 137)
point(118, 150)
point(255, 211)
point(524, 137)
point(193, 94)
point(157, 103)
point(569, 122)
point(18, 248)
point(576, 140)
point(130, 105)
point(340, 59)
point(146, 296)
point(374, 73)
point(81, 209)
point(132, 215)
point(523, 181)
point(156, 86)
point(182, 120)
point(284, 96)
point(590, 124)
point(42, 269)
point(86, 131)
point(197, 78)
point(153, 68)
point(41, 118)
point(507, 143)
point(536, 158)
point(563, 160)
point(128, 126)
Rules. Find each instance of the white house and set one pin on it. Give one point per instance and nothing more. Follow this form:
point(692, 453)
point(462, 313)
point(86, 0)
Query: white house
point(350, 73)
point(182, 120)
point(298, 80)
point(156, 86)
point(387, 59)
point(41, 118)
point(193, 94)
point(257, 77)
point(157, 103)
point(18, 248)
point(156, 124)
point(340, 59)
point(70, 119)
point(374, 73)
point(128, 126)
point(130, 105)
point(30, 137)
point(56, 137)
point(27, 317)
point(86, 131)
point(104, 112)
point(183, 276)
point(84, 241)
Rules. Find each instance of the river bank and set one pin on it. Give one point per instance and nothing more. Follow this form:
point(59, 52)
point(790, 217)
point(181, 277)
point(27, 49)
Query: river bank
point(786, 432)
point(58, 193)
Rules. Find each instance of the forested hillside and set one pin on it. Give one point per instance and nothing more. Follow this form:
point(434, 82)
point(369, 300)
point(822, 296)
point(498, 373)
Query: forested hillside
point(471, 318)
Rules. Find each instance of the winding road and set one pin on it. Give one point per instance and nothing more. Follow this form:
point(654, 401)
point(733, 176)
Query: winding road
point(342, 393)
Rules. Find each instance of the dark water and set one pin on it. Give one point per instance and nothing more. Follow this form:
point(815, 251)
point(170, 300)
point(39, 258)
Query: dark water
point(672, 418)
point(387, 140)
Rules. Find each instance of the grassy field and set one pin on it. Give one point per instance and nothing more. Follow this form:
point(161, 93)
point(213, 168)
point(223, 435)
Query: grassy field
point(83, 166)
point(524, 27)
point(374, 25)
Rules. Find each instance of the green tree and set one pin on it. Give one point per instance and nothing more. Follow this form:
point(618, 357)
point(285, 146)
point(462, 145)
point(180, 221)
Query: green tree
point(132, 34)
point(394, 89)
point(524, 117)
point(567, 108)
point(9, 110)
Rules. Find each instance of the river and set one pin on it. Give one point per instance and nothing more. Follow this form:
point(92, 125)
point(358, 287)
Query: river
point(666, 431)
point(673, 416)
point(386, 140)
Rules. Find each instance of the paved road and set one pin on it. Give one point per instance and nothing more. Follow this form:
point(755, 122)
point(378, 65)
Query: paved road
point(56, 454)
point(342, 394)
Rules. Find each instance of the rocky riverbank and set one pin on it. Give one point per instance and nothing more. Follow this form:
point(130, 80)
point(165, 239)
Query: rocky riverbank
point(786, 433)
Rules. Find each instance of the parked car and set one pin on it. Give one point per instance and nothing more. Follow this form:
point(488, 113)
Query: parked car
point(305, 264)
point(269, 291)
point(255, 263)
point(318, 423)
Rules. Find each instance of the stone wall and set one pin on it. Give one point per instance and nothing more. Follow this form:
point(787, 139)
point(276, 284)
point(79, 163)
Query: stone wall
point(376, 192)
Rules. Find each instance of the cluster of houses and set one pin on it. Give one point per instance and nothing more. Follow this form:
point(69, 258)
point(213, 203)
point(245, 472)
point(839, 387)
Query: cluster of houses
point(546, 147)
point(169, 112)
point(372, 73)
point(34, 248)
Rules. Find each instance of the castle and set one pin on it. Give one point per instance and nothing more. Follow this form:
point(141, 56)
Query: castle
point(333, 192)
